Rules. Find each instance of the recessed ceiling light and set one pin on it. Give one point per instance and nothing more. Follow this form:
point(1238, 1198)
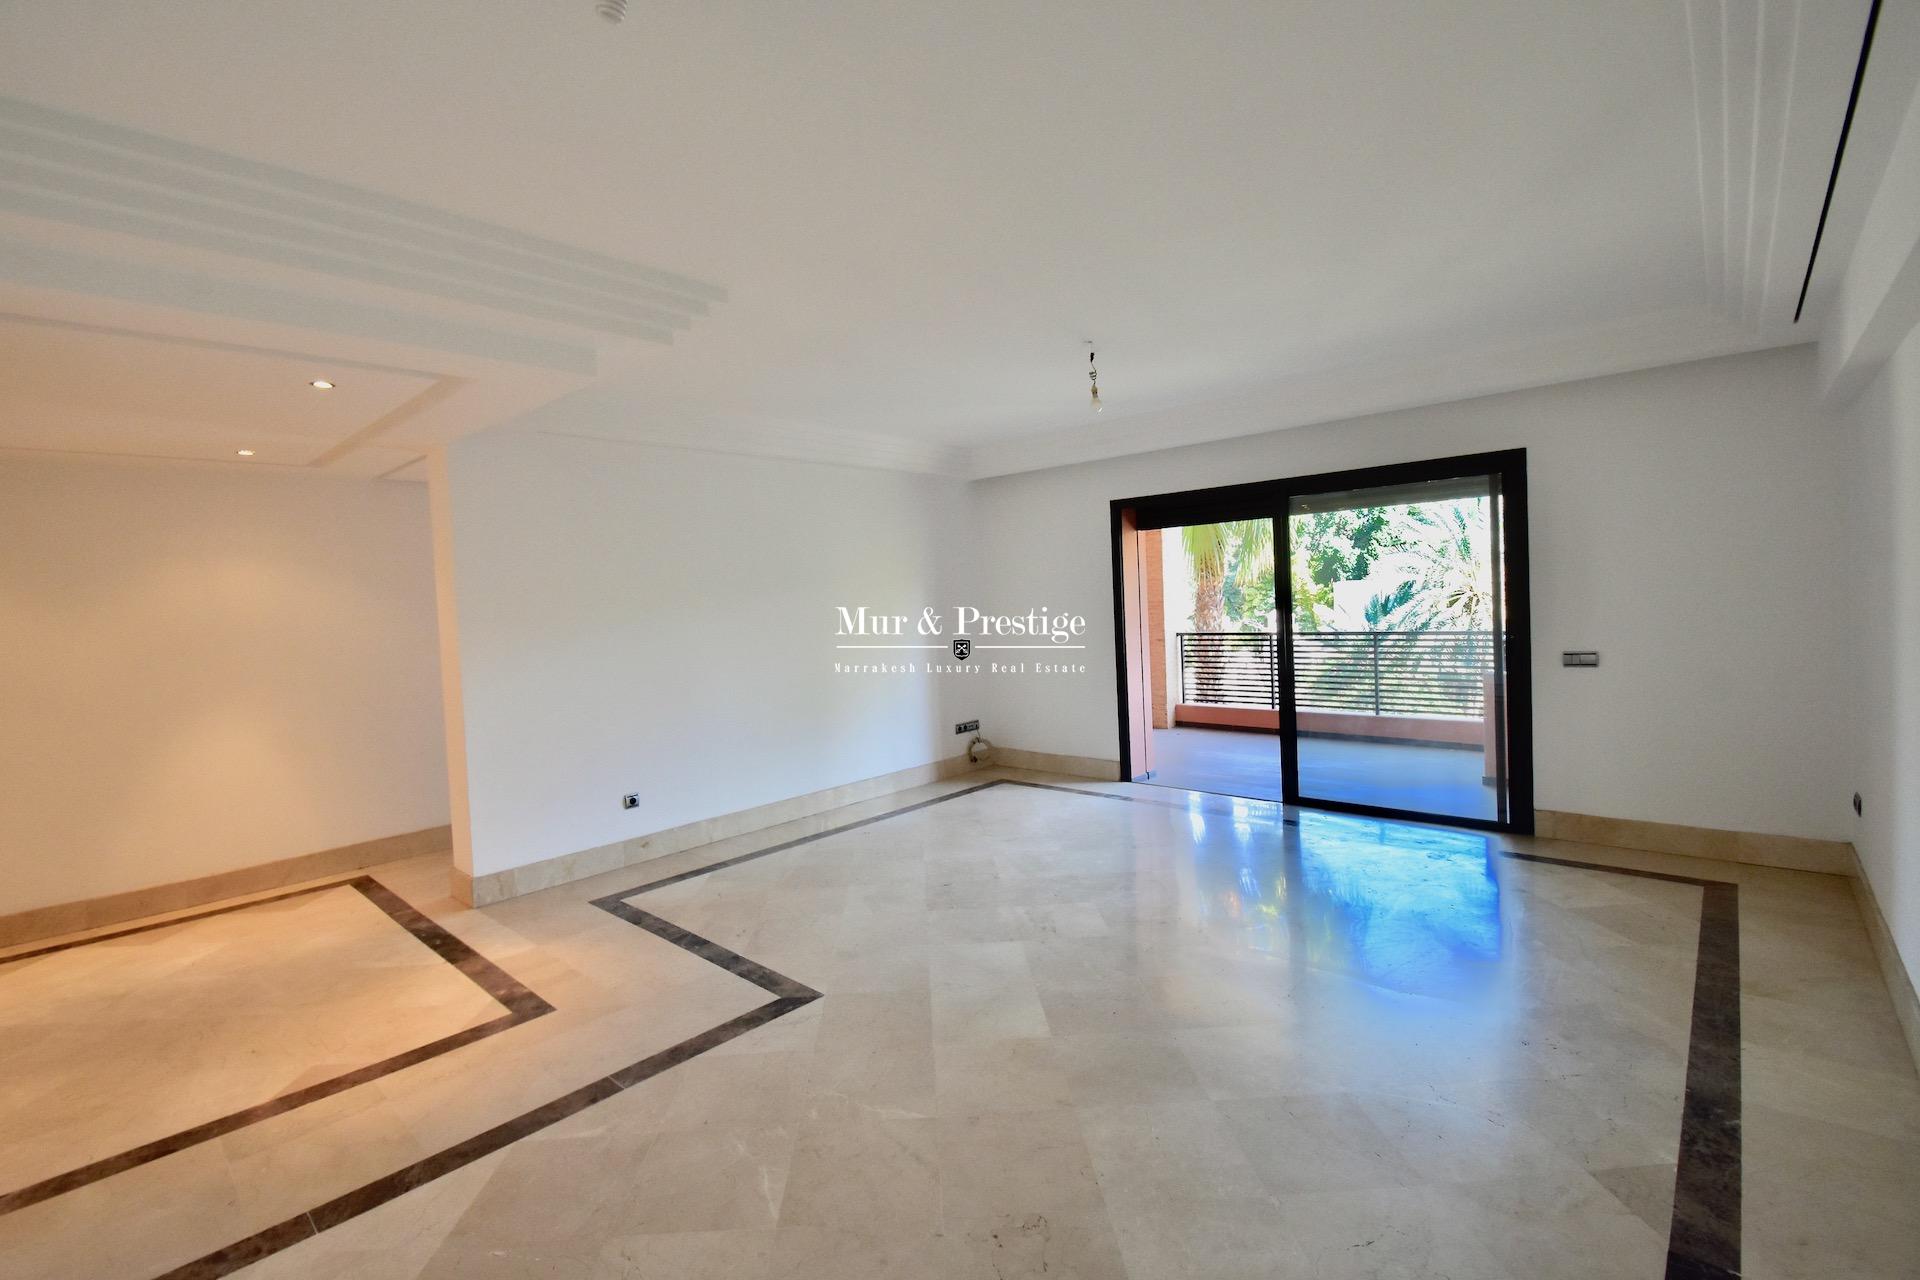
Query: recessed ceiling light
point(245, 453)
point(321, 384)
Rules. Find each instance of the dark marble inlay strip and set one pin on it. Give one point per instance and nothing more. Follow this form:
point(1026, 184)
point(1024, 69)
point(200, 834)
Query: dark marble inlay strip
point(1703, 1236)
point(521, 1004)
point(1703, 1232)
point(1703, 1242)
point(479, 970)
point(242, 1253)
point(73, 1179)
point(1668, 876)
point(733, 962)
point(1710, 1119)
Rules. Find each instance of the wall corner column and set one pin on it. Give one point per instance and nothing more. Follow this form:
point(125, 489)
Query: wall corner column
point(453, 706)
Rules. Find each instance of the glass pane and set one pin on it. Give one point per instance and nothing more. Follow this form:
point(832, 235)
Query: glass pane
point(1212, 603)
point(1396, 640)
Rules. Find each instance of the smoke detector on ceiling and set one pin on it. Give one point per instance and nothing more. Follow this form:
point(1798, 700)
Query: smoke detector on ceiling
point(611, 10)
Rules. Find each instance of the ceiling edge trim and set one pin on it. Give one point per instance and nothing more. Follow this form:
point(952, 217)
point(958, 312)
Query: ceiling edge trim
point(324, 200)
point(795, 444)
point(79, 172)
point(44, 267)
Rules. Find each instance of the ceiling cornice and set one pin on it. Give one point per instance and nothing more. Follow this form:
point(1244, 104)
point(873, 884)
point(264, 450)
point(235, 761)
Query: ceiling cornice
point(44, 267)
point(71, 170)
point(113, 229)
point(1769, 89)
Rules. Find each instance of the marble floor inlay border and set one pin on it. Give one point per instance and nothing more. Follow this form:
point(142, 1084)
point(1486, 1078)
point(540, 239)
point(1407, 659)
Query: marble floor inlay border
point(521, 1005)
point(788, 996)
point(1703, 1236)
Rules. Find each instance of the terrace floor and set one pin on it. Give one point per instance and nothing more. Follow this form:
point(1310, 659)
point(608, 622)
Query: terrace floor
point(1394, 775)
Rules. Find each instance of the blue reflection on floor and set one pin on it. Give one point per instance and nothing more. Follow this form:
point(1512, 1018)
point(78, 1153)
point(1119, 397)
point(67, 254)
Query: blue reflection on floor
point(1411, 908)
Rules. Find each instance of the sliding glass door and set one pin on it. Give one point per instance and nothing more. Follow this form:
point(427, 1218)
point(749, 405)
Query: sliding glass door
point(1397, 647)
point(1363, 634)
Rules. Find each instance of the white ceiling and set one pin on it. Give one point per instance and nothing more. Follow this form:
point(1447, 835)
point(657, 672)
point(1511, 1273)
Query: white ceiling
point(105, 391)
point(1265, 213)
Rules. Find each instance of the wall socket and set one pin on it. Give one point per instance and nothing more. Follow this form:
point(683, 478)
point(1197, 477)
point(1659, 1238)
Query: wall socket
point(967, 726)
point(631, 800)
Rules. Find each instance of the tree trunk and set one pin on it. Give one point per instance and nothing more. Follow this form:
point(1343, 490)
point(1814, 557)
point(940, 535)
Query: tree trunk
point(1209, 601)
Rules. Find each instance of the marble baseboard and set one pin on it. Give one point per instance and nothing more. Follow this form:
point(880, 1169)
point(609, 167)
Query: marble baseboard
point(1906, 1003)
point(1046, 762)
point(135, 904)
point(1794, 853)
point(498, 886)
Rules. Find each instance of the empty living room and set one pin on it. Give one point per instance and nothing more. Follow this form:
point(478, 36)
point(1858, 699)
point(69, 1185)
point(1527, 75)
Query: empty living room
point(1085, 641)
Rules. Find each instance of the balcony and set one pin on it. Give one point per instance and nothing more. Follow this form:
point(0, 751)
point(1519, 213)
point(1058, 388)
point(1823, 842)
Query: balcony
point(1397, 719)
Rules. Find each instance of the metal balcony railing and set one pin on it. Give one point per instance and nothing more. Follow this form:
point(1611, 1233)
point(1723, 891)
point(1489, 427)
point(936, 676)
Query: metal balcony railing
point(1406, 673)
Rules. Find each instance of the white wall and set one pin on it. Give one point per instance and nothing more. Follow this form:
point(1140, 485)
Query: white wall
point(1687, 522)
point(637, 618)
point(1870, 362)
point(207, 670)
point(1886, 530)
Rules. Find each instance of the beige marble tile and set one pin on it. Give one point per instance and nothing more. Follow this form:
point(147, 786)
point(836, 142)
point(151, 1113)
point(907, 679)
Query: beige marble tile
point(973, 1076)
point(120, 1042)
point(1014, 1162)
point(862, 1170)
point(1069, 1036)
point(1030, 1246)
point(1168, 1150)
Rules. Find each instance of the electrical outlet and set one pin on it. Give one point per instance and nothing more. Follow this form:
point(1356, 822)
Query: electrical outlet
point(631, 800)
point(967, 726)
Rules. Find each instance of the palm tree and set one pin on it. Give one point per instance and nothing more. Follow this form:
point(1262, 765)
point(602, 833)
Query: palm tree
point(1210, 549)
point(1445, 546)
point(1386, 608)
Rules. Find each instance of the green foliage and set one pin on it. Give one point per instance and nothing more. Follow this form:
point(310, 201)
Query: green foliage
point(1229, 563)
point(1381, 608)
point(1207, 547)
point(1343, 545)
point(1452, 580)
point(1256, 599)
point(1442, 547)
point(1330, 547)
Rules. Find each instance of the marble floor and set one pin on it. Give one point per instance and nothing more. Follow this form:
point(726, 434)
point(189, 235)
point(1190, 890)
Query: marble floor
point(1417, 777)
point(1006, 1026)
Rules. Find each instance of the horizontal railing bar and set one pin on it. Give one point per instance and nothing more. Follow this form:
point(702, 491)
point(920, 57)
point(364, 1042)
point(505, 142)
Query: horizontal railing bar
point(1396, 673)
